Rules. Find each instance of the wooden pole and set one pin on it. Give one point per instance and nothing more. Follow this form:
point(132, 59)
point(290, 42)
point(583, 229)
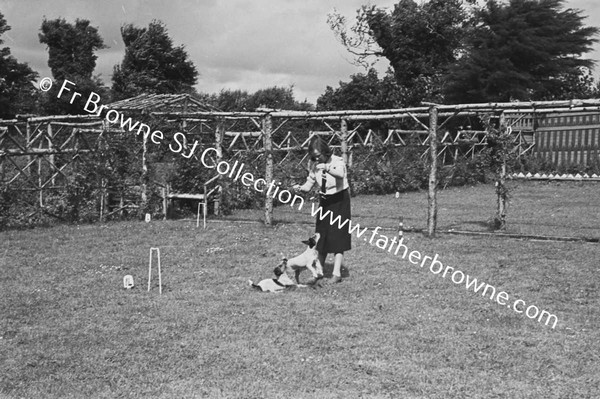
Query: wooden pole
point(50, 147)
point(344, 148)
point(144, 174)
point(40, 185)
point(28, 140)
point(344, 140)
point(431, 197)
point(219, 136)
point(500, 184)
point(267, 128)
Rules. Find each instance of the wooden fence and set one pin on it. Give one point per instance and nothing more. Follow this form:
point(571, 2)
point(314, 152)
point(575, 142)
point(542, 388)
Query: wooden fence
point(29, 148)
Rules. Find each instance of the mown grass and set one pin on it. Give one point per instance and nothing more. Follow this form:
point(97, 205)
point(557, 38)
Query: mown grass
point(391, 329)
point(560, 209)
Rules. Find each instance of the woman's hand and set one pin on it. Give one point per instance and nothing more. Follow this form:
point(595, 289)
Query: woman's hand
point(297, 187)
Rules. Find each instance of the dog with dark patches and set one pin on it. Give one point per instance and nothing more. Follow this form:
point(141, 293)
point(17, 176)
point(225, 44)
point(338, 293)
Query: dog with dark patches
point(280, 283)
point(309, 259)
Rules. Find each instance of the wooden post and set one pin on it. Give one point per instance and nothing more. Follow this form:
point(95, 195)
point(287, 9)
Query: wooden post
point(28, 139)
point(102, 199)
point(431, 197)
point(164, 197)
point(219, 135)
point(500, 184)
point(267, 128)
point(144, 176)
point(40, 183)
point(344, 140)
point(50, 146)
point(344, 146)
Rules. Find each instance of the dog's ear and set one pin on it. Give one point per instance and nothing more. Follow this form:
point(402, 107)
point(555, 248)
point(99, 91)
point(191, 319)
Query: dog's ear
point(307, 242)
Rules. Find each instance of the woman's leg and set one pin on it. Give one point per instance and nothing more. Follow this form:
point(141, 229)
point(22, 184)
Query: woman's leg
point(322, 257)
point(337, 264)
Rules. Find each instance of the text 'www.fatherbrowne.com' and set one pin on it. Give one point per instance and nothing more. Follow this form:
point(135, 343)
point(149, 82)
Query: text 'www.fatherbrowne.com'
point(397, 246)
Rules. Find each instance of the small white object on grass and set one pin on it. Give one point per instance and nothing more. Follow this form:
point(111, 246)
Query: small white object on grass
point(128, 281)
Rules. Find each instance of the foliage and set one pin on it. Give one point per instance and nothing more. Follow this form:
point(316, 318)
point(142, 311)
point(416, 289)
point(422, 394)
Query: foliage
point(535, 164)
point(71, 55)
point(152, 64)
point(405, 172)
point(420, 40)
point(51, 104)
point(362, 92)
point(457, 52)
point(17, 93)
point(71, 47)
point(524, 50)
point(274, 97)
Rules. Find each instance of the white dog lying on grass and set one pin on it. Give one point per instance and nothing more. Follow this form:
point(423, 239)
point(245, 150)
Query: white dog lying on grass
point(282, 282)
point(309, 259)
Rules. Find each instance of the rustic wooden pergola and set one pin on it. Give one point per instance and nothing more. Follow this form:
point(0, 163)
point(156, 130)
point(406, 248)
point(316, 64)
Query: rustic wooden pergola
point(34, 142)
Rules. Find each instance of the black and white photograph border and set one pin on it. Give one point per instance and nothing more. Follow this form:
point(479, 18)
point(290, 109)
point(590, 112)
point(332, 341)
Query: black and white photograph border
point(321, 199)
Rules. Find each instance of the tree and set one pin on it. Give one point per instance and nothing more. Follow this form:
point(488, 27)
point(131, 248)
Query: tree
point(72, 56)
point(152, 64)
point(272, 97)
point(363, 91)
point(421, 41)
point(17, 93)
point(524, 50)
point(71, 48)
point(277, 98)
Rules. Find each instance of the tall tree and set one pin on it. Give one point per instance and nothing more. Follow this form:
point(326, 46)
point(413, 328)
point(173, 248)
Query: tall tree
point(420, 40)
point(72, 56)
point(524, 50)
point(17, 93)
point(71, 47)
point(152, 64)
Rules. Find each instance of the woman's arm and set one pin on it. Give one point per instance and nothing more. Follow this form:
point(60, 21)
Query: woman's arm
point(310, 182)
point(336, 169)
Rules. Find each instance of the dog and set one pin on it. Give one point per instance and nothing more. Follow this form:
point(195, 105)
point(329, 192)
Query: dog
point(309, 259)
point(281, 283)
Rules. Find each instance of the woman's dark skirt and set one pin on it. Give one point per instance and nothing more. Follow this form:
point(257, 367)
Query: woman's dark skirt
point(332, 238)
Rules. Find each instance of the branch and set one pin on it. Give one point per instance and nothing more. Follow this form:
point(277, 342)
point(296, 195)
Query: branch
point(358, 38)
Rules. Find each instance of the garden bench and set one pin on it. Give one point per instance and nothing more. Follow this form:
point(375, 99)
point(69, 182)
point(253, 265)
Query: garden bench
point(210, 194)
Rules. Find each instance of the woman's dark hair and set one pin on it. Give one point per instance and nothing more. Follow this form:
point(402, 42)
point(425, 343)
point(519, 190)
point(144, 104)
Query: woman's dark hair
point(316, 143)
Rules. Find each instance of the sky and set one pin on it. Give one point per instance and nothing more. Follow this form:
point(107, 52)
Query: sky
point(234, 44)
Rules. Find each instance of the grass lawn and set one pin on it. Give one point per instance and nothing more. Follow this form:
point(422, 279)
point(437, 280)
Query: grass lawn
point(391, 329)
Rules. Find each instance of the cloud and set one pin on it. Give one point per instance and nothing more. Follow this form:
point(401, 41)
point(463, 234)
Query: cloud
point(235, 44)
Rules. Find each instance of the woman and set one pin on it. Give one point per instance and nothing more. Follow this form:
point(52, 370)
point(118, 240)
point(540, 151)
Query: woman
point(329, 172)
